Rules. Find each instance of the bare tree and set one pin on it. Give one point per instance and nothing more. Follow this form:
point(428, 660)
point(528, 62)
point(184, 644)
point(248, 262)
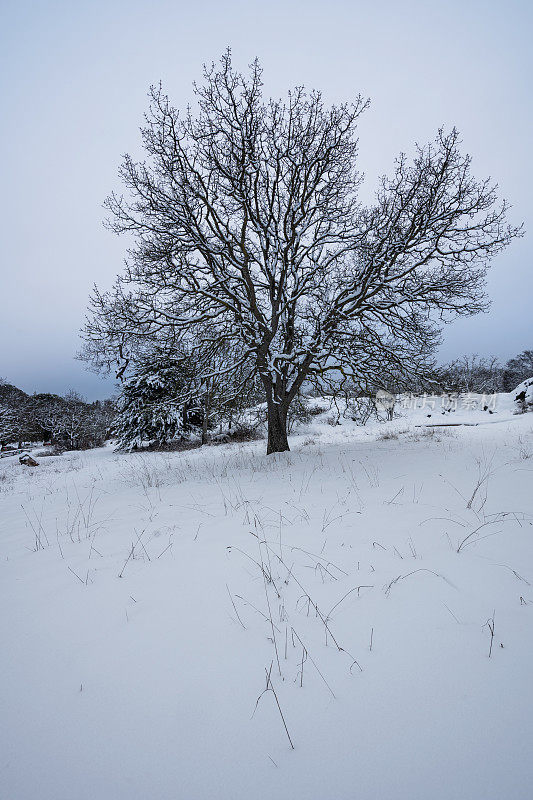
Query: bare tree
point(246, 223)
point(517, 369)
point(471, 374)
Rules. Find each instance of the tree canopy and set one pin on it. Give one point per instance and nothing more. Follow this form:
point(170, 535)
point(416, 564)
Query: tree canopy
point(248, 231)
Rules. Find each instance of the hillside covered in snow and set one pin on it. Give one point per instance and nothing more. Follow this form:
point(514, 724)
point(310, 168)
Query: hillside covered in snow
point(352, 619)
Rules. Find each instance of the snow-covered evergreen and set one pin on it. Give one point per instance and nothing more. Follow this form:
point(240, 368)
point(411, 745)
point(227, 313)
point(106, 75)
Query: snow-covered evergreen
point(8, 425)
point(151, 406)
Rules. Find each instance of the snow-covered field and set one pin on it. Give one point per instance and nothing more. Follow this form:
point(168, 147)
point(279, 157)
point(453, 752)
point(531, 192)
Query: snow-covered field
point(381, 577)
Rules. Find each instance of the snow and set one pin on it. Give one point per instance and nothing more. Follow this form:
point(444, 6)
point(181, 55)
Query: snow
point(525, 388)
point(145, 685)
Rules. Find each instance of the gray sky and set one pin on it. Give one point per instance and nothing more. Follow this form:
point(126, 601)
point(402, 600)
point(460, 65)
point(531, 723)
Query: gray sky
point(74, 77)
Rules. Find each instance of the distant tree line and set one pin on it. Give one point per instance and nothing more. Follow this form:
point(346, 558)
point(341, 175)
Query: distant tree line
point(68, 421)
point(483, 375)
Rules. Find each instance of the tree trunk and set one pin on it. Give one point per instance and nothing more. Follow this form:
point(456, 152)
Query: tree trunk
point(204, 428)
point(205, 420)
point(277, 429)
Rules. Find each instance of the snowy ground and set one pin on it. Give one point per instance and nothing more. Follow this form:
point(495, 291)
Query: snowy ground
point(145, 597)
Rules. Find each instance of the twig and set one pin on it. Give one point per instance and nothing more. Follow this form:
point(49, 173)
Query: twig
point(490, 623)
point(465, 541)
point(270, 688)
point(271, 620)
point(165, 550)
point(422, 569)
point(235, 608)
point(451, 612)
point(355, 589)
point(77, 576)
point(132, 552)
point(313, 662)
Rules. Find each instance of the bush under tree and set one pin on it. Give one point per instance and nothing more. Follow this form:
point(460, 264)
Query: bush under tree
point(149, 409)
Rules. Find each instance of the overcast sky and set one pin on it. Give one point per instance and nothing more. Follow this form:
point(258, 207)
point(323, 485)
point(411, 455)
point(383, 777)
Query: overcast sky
point(74, 77)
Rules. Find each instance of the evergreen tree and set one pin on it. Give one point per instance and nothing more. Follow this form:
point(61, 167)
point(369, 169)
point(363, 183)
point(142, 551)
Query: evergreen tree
point(9, 425)
point(151, 406)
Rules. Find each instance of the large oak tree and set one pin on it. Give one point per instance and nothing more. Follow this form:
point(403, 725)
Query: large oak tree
point(248, 232)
